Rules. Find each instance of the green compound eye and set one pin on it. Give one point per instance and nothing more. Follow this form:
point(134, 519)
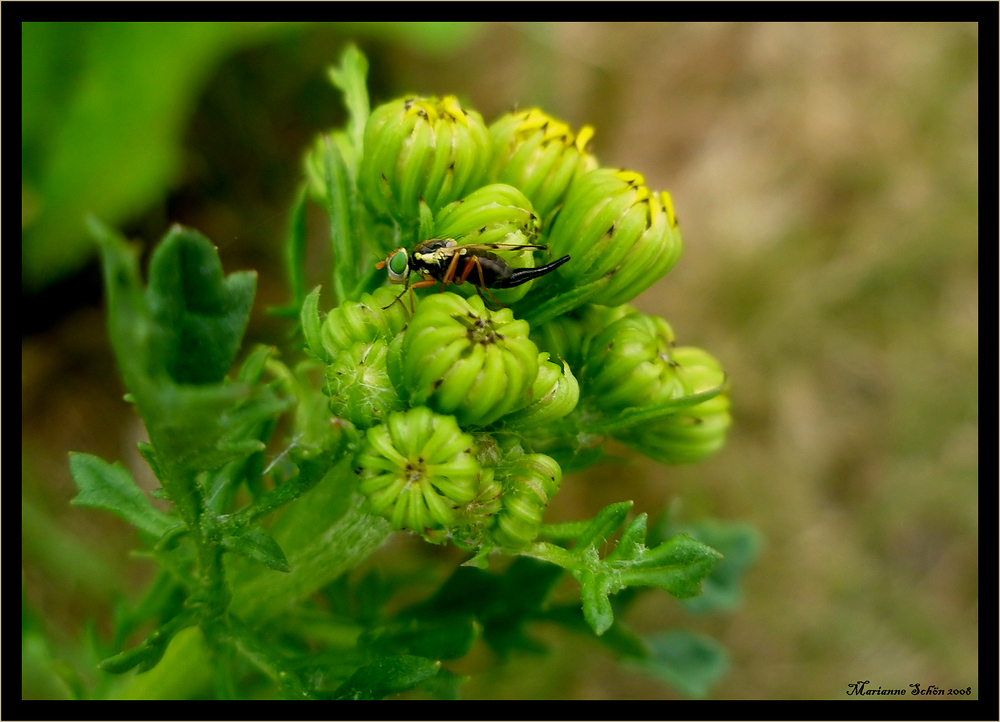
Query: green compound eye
point(398, 263)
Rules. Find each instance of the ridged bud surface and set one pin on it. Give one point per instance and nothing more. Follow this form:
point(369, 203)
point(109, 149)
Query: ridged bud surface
point(364, 321)
point(358, 384)
point(460, 358)
point(614, 227)
point(539, 155)
point(527, 486)
point(697, 431)
point(628, 364)
point(554, 394)
point(421, 148)
point(418, 471)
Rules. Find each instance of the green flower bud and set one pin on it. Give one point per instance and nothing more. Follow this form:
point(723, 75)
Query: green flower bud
point(615, 227)
point(358, 384)
point(540, 155)
point(527, 486)
point(554, 394)
point(460, 358)
point(495, 213)
point(418, 471)
point(629, 364)
point(697, 431)
point(364, 321)
point(566, 337)
point(421, 148)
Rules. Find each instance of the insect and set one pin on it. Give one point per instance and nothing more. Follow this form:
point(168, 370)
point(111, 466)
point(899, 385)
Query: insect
point(444, 260)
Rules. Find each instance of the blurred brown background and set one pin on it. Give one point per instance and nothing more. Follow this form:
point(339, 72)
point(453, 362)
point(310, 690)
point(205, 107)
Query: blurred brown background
point(826, 181)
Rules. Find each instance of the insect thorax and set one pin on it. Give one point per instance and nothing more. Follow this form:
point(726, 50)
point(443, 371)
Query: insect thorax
point(439, 255)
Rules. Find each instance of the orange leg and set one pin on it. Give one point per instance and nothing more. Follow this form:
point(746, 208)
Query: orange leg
point(449, 275)
point(419, 284)
point(469, 265)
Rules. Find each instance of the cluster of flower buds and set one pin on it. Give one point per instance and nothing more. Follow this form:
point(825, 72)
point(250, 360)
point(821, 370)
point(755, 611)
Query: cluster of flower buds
point(354, 343)
point(627, 362)
point(468, 412)
point(458, 357)
point(695, 432)
point(421, 149)
point(540, 155)
point(616, 229)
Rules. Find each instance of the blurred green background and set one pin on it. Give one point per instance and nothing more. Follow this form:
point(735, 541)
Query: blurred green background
point(826, 180)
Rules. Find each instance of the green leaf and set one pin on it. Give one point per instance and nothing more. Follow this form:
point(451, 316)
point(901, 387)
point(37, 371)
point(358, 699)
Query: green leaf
point(340, 190)
point(295, 255)
point(103, 108)
point(739, 545)
point(443, 685)
point(352, 79)
point(324, 535)
point(449, 639)
point(311, 325)
point(691, 663)
point(677, 566)
point(257, 544)
point(201, 314)
point(389, 675)
point(503, 604)
point(601, 526)
point(252, 369)
point(619, 638)
point(146, 655)
point(190, 312)
point(110, 487)
point(595, 588)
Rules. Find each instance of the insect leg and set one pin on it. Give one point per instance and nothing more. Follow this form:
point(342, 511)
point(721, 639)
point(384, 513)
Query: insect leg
point(449, 275)
point(482, 281)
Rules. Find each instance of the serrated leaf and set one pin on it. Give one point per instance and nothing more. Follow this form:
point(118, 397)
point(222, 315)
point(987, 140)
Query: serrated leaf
point(594, 591)
point(601, 526)
point(677, 566)
point(257, 544)
point(191, 427)
point(690, 663)
point(110, 487)
point(620, 638)
point(200, 314)
point(739, 545)
point(351, 77)
point(389, 675)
